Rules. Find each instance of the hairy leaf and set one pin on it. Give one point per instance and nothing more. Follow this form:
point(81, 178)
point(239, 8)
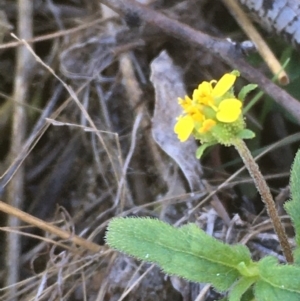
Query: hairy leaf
point(245, 90)
point(278, 282)
point(266, 292)
point(246, 134)
point(187, 251)
point(297, 256)
point(293, 206)
point(202, 148)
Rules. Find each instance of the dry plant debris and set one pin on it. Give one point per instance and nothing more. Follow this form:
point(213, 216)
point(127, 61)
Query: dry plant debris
point(99, 98)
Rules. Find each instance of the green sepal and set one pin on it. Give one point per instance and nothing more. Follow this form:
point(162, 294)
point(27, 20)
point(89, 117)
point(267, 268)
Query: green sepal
point(277, 282)
point(236, 73)
point(187, 251)
point(246, 134)
point(240, 288)
point(200, 150)
point(293, 206)
point(245, 91)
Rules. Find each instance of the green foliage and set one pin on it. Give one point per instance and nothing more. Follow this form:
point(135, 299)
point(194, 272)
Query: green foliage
point(246, 134)
point(246, 90)
point(293, 206)
point(297, 256)
point(283, 277)
point(190, 253)
point(186, 251)
point(290, 61)
point(241, 287)
point(266, 292)
point(200, 150)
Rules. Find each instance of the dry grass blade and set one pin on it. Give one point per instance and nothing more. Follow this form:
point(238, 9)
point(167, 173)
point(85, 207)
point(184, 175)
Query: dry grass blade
point(101, 103)
point(16, 185)
point(258, 41)
point(25, 217)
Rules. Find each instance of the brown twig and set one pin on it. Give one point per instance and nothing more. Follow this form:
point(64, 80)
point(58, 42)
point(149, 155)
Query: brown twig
point(34, 221)
point(219, 47)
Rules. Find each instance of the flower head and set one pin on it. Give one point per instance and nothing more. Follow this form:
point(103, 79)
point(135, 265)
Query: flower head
point(214, 114)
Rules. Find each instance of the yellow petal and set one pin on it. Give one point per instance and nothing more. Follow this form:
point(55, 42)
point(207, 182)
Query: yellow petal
point(207, 125)
point(204, 90)
point(185, 103)
point(195, 112)
point(229, 110)
point(184, 127)
point(223, 85)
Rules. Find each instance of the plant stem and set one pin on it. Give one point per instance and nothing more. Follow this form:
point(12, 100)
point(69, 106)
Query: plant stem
point(266, 196)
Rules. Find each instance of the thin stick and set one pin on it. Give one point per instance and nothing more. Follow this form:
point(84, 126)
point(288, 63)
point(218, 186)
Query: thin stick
point(27, 218)
point(218, 47)
point(262, 47)
point(53, 35)
point(266, 196)
point(15, 190)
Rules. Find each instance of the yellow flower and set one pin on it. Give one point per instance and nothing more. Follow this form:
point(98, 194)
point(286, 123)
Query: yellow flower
point(213, 103)
point(185, 103)
point(186, 122)
point(191, 109)
point(203, 94)
point(206, 93)
point(229, 110)
point(223, 85)
point(214, 114)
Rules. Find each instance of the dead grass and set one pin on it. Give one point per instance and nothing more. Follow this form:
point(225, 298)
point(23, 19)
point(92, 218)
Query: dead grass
point(87, 152)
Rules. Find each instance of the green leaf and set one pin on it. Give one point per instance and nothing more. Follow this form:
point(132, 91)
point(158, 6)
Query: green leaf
point(187, 251)
point(246, 90)
point(266, 292)
point(200, 150)
point(290, 60)
point(240, 288)
point(296, 254)
point(293, 206)
point(248, 296)
point(277, 282)
point(246, 134)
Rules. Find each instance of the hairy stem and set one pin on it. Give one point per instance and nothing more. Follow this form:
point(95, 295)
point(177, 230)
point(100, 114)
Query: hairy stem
point(266, 196)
